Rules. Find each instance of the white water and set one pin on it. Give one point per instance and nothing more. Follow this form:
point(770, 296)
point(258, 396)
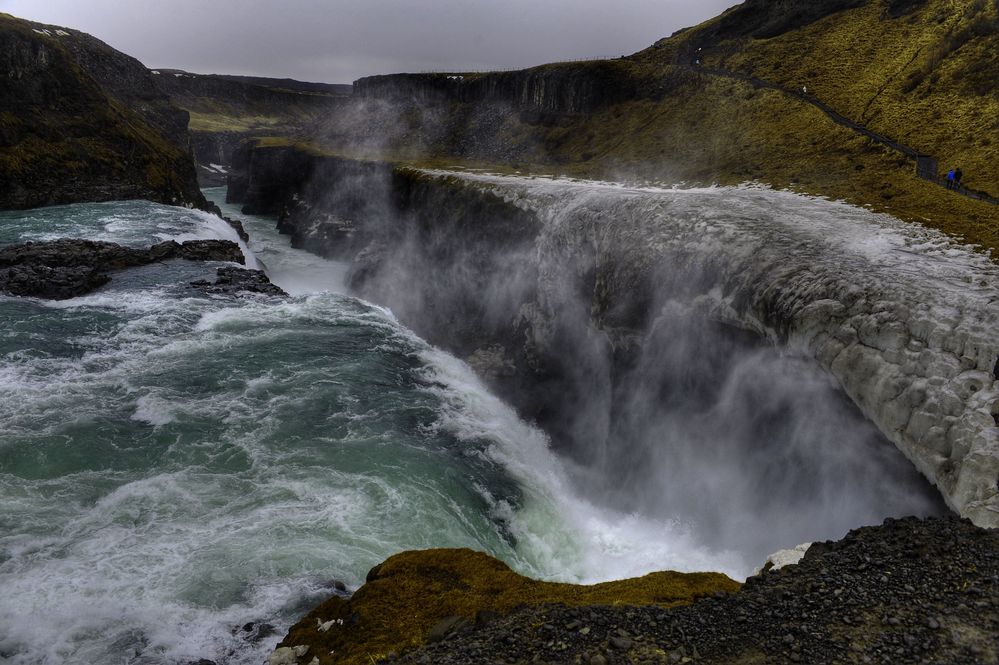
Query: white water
point(173, 466)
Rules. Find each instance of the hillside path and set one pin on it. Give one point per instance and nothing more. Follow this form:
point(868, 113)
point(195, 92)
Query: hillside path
point(926, 165)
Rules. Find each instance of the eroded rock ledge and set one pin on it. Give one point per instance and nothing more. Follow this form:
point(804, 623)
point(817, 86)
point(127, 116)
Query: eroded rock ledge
point(68, 268)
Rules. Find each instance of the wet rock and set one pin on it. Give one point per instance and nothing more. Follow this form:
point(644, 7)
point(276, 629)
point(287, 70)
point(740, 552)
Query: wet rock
point(231, 280)
point(68, 268)
point(336, 585)
point(51, 283)
point(238, 227)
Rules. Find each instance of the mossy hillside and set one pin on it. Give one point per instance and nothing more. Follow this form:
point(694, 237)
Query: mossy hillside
point(66, 139)
point(408, 594)
point(928, 77)
point(685, 125)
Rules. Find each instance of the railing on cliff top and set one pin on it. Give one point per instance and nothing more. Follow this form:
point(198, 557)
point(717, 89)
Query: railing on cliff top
point(926, 165)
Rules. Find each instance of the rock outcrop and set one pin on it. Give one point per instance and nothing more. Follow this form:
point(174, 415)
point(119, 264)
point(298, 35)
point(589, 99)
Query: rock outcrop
point(83, 122)
point(232, 280)
point(558, 89)
point(68, 268)
point(391, 611)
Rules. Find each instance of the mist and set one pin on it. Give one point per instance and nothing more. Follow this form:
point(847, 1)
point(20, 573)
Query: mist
point(657, 408)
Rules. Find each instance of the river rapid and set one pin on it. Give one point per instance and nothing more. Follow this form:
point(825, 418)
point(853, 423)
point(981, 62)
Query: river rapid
point(175, 465)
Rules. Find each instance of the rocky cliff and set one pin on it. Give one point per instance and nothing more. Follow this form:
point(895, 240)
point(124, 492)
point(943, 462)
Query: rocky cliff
point(83, 122)
point(569, 88)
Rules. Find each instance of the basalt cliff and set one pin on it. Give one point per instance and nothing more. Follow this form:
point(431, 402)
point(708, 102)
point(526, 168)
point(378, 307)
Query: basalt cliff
point(80, 121)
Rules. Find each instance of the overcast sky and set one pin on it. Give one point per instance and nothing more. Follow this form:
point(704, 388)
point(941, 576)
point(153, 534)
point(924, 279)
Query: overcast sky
point(337, 41)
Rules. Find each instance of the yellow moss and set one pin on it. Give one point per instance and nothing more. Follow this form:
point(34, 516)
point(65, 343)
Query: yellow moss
point(412, 591)
point(217, 122)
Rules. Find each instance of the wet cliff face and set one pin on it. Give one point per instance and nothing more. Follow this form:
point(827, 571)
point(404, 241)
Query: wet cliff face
point(83, 122)
point(665, 336)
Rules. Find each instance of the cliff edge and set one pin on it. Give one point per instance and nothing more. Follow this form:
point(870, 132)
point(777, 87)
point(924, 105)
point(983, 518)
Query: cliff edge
point(81, 121)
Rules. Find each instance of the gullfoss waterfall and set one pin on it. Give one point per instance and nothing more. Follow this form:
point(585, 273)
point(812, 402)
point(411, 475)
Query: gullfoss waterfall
point(175, 467)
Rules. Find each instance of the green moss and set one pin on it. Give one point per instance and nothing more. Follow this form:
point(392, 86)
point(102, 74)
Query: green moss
point(410, 592)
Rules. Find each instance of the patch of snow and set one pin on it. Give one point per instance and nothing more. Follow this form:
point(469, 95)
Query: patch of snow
point(219, 167)
point(42, 32)
point(782, 558)
point(62, 33)
point(154, 71)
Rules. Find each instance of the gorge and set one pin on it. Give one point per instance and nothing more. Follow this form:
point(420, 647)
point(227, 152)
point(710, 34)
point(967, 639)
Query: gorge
point(522, 366)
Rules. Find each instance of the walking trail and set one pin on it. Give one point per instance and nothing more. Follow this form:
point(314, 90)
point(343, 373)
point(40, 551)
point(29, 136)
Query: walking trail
point(926, 165)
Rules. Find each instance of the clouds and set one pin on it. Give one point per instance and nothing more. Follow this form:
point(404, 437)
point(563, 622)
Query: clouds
point(338, 41)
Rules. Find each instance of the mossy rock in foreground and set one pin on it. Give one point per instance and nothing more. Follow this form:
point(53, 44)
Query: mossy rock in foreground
point(407, 595)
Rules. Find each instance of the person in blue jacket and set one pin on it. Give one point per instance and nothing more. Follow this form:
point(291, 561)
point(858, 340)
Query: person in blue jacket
point(950, 179)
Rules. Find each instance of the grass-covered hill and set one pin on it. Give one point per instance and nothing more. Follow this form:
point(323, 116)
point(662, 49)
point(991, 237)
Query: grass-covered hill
point(921, 72)
point(80, 121)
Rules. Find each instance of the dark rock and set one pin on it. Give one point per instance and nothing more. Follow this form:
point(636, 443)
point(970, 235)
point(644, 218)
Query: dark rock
point(336, 585)
point(209, 250)
point(68, 268)
point(238, 227)
point(255, 631)
point(485, 617)
point(233, 280)
point(58, 283)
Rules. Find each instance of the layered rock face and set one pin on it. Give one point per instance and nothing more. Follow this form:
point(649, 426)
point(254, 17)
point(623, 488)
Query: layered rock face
point(550, 89)
point(83, 122)
point(559, 291)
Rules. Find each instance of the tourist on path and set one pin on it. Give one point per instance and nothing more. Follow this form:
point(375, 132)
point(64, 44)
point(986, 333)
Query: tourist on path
point(958, 174)
point(950, 179)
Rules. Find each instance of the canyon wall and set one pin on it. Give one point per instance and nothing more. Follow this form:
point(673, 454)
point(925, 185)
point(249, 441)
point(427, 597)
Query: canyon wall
point(83, 122)
point(565, 294)
point(564, 88)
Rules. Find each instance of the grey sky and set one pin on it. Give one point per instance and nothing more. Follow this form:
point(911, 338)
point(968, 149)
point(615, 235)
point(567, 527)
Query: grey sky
point(337, 41)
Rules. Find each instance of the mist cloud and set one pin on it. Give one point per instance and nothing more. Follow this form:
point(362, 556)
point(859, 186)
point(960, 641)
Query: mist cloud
point(342, 40)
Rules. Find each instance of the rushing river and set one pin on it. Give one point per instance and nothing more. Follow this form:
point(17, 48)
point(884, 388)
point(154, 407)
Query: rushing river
point(175, 465)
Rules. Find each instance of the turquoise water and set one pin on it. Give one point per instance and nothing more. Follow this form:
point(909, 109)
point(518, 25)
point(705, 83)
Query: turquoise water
point(174, 465)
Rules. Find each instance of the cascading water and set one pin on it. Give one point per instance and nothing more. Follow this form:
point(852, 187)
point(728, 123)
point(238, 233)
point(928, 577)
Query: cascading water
point(175, 465)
